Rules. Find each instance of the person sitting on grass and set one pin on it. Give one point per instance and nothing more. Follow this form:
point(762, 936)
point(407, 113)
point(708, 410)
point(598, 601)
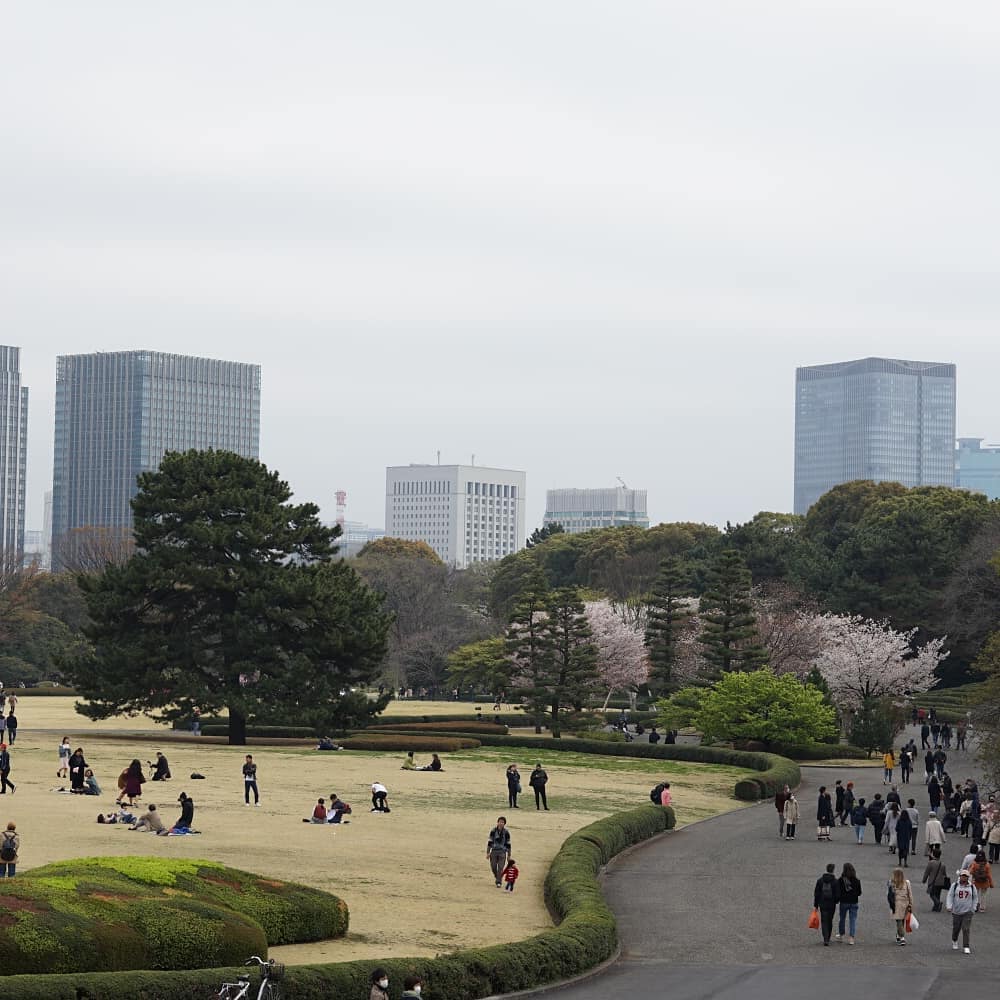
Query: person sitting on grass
point(408, 762)
point(183, 824)
point(161, 770)
point(337, 809)
point(434, 765)
point(319, 812)
point(90, 785)
point(149, 821)
point(327, 743)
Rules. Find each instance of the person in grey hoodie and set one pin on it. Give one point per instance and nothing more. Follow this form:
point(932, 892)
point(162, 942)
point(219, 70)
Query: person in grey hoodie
point(963, 901)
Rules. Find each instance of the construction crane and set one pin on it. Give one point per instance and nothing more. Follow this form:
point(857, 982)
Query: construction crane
point(622, 481)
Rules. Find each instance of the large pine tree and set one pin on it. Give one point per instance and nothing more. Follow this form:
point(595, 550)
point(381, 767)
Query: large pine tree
point(233, 600)
point(666, 612)
point(729, 627)
point(572, 674)
point(528, 645)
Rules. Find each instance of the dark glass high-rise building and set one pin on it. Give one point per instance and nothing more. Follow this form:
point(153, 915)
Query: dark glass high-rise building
point(878, 419)
point(13, 457)
point(117, 414)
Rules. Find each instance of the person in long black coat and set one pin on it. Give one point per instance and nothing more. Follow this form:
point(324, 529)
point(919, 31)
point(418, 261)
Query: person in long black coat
point(824, 814)
point(77, 767)
point(904, 833)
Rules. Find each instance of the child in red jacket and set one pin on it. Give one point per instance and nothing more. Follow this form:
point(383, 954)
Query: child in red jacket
point(510, 874)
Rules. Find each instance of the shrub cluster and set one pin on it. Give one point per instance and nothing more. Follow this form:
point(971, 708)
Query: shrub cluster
point(585, 936)
point(473, 728)
point(399, 741)
point(97, 914)
point(56, 691)
point(486, 715)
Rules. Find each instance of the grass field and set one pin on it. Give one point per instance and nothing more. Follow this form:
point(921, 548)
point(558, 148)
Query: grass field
point(417, 880)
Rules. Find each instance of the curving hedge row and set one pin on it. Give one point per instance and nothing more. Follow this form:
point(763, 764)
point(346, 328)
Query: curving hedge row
point(775, 771)
point(468, 728)
point(585, 936)
point(117, 913)
point(429, 742)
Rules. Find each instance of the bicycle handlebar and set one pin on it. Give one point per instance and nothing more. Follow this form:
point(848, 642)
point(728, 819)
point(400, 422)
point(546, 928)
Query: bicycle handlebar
point(258, 960)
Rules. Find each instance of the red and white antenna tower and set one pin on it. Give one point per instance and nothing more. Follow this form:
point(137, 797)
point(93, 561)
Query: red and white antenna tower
point(341, 496)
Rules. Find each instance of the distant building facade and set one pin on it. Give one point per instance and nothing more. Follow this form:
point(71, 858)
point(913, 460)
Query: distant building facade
point(584, 510)
point(466, 513)
point(877, 418)
point(356, 535)
point(13, 456)
point(117, 414)
point(977, 468)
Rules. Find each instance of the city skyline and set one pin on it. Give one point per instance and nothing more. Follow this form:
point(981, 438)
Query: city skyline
point(438, 229)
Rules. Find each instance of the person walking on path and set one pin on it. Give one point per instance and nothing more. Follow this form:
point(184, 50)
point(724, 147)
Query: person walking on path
point(960, 734)
point(888, 763)
point(134, 780)
point(900, 902)
point(849, 800)
point(250, 781)
point(510, 874)
point(5, 771)
point(914, 814)
point(934, 793)
point(513, 785)
point(779, 803)
point(64, 753)
point(876, 815)
point(859, 820)
point(962, 902)
point(891, 819)
point(980, 873)
point(10, 848)
point(826, 895)
point(936, 878)
point(11, 727)
point(904, 833)
point(905, 762)
point(838, 804)
point(824, 814)
point(940, 759)
point(791, 816)
point(925, 731)
point(928, 765)
point(538, 780)
point(850, 893)
point(992, 832)
point(933, 834)
point(498, 849)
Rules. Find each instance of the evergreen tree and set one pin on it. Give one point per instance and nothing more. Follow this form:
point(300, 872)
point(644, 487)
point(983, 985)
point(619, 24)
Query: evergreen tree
point(666, 612)
point(572, 660)
point(729, 637)
point(232, 600)
point(528, 645)
point(539, 535)
point(875, 725)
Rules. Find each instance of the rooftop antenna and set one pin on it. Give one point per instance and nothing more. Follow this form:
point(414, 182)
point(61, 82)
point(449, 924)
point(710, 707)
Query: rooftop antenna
point(439, 456)
point(473, 458)
point(622, 481)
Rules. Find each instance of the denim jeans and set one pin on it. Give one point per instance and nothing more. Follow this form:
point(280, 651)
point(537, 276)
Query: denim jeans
point(7, 869)
point(859, 829)
point(848, 911)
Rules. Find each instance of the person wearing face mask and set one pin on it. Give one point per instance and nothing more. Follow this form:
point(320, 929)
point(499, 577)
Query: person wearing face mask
point(380, 985)
point(412, 986)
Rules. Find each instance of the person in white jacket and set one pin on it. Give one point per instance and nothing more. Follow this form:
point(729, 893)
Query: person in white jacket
point(791, 817)
point(933, 833)
point(963, 901)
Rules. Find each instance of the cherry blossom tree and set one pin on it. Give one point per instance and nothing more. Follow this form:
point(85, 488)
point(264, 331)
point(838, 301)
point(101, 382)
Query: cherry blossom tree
point(864, 660)
point(622, 660)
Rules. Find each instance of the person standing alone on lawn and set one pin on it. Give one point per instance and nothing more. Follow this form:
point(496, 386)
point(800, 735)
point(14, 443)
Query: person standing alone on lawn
point(498, 848)
point(826, 895)
point(538, 780)
point(250, 781)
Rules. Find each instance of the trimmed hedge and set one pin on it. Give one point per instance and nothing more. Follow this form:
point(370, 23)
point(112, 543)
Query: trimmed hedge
point(821, 751)
point(394, 741)
point(486, 716)
point(265, 732)
point(586, 935)
point(98, 914)
point(473, 728)
point(43, 692)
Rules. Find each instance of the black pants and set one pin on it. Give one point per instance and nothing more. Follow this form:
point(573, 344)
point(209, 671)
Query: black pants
point(246, 791)
point(789, 830)
point(11, 735)
point(379, 802)
point(540, 794)
point(994, 853)
point(5, 781)
point(512, 797)
point(826, 921)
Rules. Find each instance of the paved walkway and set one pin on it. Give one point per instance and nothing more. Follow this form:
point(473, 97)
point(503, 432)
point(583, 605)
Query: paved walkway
point(718, 910)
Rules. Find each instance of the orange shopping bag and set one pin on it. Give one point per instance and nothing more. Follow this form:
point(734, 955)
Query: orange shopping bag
point(814, 920)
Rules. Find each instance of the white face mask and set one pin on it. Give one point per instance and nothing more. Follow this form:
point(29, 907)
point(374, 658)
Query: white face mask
point(416, 989)
point(383, 983)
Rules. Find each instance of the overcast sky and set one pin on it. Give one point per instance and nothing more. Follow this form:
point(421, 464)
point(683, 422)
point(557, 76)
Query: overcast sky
point(586, 240)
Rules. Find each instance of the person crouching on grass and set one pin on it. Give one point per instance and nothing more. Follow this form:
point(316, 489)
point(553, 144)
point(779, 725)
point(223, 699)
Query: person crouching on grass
point(510, 874)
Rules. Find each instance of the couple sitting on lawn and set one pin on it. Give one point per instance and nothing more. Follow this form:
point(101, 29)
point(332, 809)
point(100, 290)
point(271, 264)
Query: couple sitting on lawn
point(330, 813)
point(410, 765)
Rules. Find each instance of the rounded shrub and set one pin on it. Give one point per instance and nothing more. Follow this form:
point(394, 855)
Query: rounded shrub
point(401, 741)
point(747, 790)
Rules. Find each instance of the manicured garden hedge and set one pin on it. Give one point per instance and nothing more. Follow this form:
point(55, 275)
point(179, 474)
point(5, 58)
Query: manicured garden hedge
point(472, 728)
point(97, 914)
point(399, 741)
point(42, 692)
point(821, 751)
point(586, 936)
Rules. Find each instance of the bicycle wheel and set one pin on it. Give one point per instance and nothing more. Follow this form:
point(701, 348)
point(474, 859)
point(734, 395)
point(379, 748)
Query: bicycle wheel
point(271, 991)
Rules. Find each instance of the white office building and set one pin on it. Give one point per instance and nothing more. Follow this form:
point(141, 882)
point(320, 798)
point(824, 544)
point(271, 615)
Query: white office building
point(466, 513)
point(585, 510)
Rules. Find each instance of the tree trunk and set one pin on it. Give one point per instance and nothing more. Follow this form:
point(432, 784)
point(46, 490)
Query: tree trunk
point(237, 729)
point(604, 707)
point(556, 731)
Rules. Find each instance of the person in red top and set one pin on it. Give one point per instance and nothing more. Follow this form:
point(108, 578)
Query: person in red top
point(510, 874)
point(319, 813)
point(665, 798)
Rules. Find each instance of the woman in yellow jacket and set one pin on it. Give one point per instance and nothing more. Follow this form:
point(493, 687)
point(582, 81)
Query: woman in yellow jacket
point(888, 763)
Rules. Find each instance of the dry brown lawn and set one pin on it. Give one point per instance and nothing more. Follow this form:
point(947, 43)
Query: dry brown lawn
point(417, 880)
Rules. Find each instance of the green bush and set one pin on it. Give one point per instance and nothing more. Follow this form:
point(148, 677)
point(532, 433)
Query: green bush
point(56, 691)
point(820, 751)
point(585, 936)
point(400, 741)
point(473, 728)
point(747, 790)
point(611, 718)
point(98, 914)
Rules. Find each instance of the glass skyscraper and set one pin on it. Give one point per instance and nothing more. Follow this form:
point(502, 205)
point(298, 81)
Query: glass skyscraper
point(117, 414)
point(13, 457)
point(877, 419)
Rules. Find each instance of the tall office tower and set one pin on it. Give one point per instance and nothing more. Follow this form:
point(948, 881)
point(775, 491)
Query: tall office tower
point(117, 414)
point(878, 419)
point(585, 510)
point(465, 513)
point(978, 468)
point(13, 457)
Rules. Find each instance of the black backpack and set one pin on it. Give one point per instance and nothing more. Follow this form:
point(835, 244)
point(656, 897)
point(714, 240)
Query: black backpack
point(8, 852)
point(826, 894)
point(655, 793)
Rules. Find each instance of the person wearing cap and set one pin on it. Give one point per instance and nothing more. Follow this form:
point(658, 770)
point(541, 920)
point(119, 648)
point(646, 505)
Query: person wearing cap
point(962, 902)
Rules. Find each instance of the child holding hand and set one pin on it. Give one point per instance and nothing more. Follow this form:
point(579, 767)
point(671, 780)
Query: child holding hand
point(510, 874)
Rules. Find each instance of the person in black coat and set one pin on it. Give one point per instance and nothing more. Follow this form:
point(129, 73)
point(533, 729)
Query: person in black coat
point(904, 833)
point(826, 895)
point(77, 766)
point(824, 814)
point(187, 811)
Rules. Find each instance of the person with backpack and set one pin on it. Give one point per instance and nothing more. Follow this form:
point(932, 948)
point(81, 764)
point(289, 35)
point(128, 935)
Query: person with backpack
point(791, 816)
point(876, 816)
point(936, 878)
point(826, 895)
point(850, 893)
point(10, 847)
point(900, 899)
point(498, 849)
point(962, 902)
point(859, 820)
point(5, 771)
point(982, 877)
point(780, 799)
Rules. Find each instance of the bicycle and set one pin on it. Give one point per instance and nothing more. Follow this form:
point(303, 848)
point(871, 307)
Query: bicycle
point(270, 973)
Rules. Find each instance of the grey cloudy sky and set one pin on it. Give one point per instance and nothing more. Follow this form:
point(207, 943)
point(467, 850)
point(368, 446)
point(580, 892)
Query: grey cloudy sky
point(582, 239)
